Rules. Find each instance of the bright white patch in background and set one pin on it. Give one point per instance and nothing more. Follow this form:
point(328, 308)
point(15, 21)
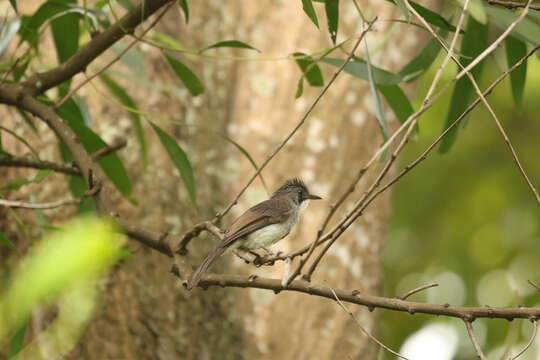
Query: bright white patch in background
point(358, 117)
point(493, 289)
point(434, 341)
point(451, 289)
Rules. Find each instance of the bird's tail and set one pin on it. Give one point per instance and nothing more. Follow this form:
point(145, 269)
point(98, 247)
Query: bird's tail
point(209, 260)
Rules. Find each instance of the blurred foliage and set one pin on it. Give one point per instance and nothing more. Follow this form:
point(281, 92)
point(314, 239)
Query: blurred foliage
point(61, 269)
point(466, 219)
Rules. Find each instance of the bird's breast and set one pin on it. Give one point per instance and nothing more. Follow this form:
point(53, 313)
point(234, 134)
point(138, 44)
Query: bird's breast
point(270, 234)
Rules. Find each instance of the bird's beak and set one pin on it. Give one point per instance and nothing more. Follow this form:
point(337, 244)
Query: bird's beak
point(314, 197)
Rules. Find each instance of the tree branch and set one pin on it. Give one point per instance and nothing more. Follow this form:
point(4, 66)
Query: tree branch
point(41, 82)
point(512, 4)
point(50, 205)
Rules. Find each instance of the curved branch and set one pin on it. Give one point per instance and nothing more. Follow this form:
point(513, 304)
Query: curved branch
point(370, 301)
point(41, 82)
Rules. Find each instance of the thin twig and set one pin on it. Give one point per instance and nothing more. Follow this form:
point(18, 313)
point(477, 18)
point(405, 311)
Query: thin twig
point(474, 342)
point(303, 260)
point(116, 58)
point(466, 71)
point(387, 166)
point(512, 4)
point(117, 145)
point(364, 330)
point(534, 284)
point(430, 148)
point(50, 205)
point(528, 344)
point(418, 289)
point(300, 123)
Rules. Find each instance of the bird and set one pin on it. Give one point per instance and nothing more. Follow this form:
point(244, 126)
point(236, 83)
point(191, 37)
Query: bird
point(262, 225)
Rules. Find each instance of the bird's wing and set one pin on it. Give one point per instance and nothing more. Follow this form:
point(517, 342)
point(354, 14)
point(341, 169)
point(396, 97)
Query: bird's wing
point(257, 217)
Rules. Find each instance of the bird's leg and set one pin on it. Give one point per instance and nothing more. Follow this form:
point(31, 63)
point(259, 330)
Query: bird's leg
point(268, 251)
point(243, 255)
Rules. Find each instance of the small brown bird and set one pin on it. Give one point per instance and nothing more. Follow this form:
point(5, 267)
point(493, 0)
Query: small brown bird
point(262, 225)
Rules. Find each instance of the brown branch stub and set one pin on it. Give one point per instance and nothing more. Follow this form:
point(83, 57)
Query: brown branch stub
point(512, 4)
point(533, 284)
point(474, 342)
point(194, 232)
point(418, 289)
point(115, 146)
point(27, 162)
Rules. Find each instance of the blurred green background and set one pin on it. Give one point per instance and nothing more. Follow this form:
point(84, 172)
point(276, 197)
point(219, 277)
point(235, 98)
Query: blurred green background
point(467, 220)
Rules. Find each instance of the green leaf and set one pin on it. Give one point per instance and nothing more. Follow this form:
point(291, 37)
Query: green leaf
point(17, 341)
point(476, 10)
point(515, 50)
point(377, 102)
point(14, 5)
point(27, 119)
point(474, 42)
point(30, 25)
point(332, 15)
point(431, 17)
point(184, 6)
point(230, 43)
point(65, 30)
point(307, 5)
point(21, 139)
point(404, 10)
point(4, 240)
point(358, 68)
point(17, 184)
point(19, 70)
point(111, 164)
point(419, 64)
point(397, 100)
point(132, 58)
point(125, 99)
point(180, 160)
point(126, 4)
point(300, 87)
point(526, 30)
point(190, 80)
point(310, 69)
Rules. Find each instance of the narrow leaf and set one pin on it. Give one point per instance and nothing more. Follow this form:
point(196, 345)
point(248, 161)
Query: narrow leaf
point(65, 31)
point(474, 42)
point(431, 17)
point(17, 341)
point(526, 30)
point(311, 70)
point(419, 64)
point(397, 100)
point(332, 15)
point(125, 99)
point(358, 68)
point(111, 164)
point(8, 30)
point(4, 240)
point(230, 43)
point(378, 107)
point(180, 160)
point(190, 80)
point(515, 50)
point(17, 184)
point(307, 5)
point(300, 87)
point(126, 4)
point(14, 5)
point(27, 119)
point(404, 10)
point(132, 59)
point(184, 6)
